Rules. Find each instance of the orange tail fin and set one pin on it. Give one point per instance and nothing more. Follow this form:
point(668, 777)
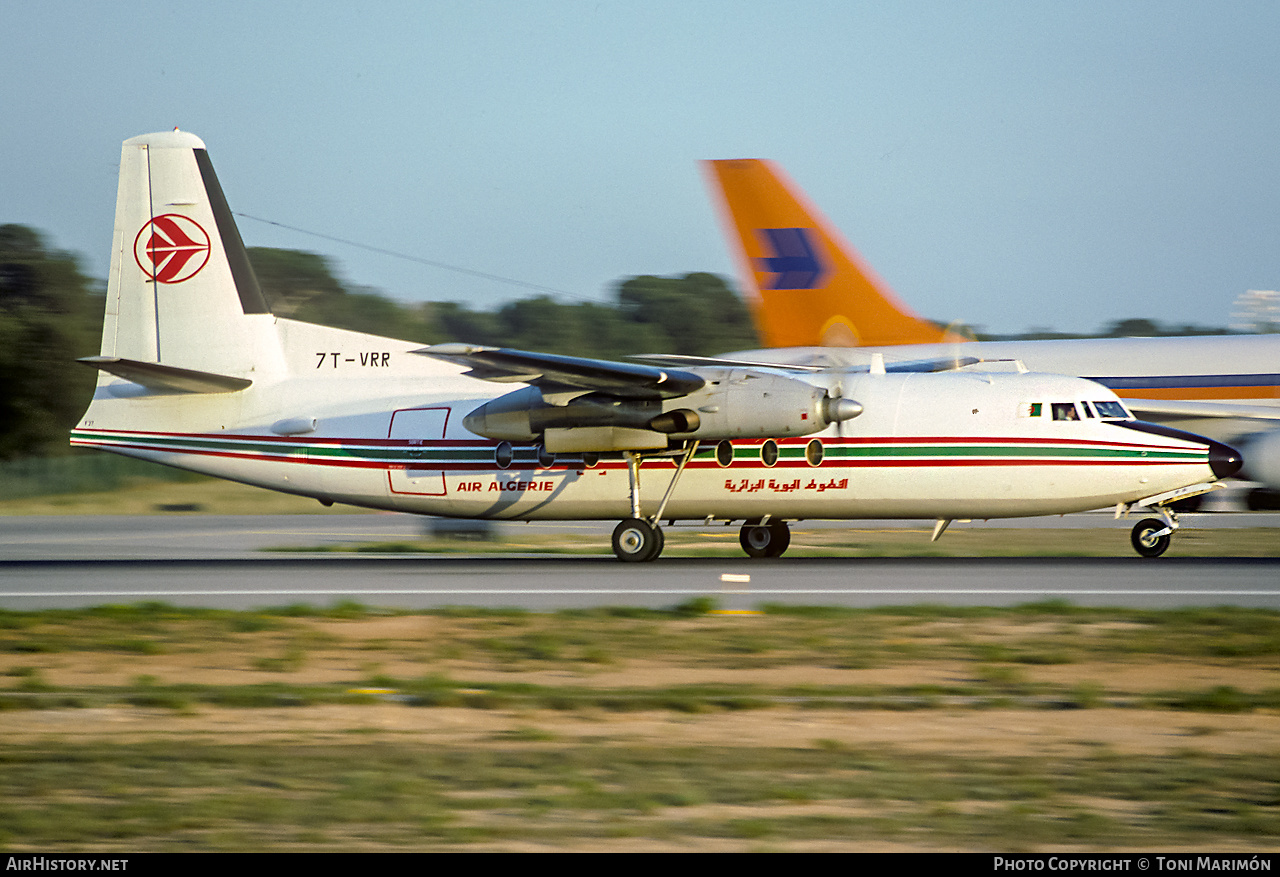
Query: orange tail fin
point(809, 287)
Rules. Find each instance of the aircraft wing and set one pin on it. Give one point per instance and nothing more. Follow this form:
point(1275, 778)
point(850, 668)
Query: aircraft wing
point(942, 364)
point(1177, 408)
point(677, 359)
point(552, 373)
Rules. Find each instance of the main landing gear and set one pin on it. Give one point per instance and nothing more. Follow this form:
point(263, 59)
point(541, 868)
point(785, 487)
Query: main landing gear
point(638, 539)
point(635, 540)
point(764, 537)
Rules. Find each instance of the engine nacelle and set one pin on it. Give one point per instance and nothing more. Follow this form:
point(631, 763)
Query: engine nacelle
point(524, 414)
point(1261, 458)
point(743, 404)
point(733, 404)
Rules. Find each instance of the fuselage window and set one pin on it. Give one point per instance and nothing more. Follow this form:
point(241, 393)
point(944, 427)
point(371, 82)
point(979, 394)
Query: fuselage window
point(769, 452)
point(1111, 410)
point(813, 452)
point(724, 453)
point(504, 454)
point(1065, 411)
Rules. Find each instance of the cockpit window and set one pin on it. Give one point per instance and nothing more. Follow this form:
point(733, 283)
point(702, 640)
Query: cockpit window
point(1111, 410)
point(1065, 411)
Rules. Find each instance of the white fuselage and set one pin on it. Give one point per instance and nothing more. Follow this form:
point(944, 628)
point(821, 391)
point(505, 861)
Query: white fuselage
point(359, 419)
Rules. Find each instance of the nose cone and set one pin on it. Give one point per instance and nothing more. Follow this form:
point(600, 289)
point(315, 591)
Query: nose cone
point(1224, 460)
point(840, 410)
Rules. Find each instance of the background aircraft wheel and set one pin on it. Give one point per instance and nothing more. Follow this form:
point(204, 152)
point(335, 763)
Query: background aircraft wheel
point(1144, 538)
point(765, 540)
point(636, 541)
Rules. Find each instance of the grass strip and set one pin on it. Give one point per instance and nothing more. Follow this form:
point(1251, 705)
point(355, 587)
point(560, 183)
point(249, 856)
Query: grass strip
point(520, 793)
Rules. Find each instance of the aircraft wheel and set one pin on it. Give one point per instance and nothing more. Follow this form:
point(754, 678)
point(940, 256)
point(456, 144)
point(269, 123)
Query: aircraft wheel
point(637, 541)
point(765, 540)
point(1145, 539)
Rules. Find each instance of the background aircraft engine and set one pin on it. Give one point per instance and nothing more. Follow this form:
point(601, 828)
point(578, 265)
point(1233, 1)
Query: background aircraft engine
point(1262, 458)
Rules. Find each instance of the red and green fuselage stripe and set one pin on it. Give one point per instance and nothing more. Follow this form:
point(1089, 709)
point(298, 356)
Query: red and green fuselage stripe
point(476, 455)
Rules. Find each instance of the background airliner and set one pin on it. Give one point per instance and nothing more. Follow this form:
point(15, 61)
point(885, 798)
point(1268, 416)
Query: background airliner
point(196, 372)
point(817, 302)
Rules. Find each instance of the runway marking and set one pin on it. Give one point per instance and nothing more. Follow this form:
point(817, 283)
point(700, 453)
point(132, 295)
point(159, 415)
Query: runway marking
point(639, 592)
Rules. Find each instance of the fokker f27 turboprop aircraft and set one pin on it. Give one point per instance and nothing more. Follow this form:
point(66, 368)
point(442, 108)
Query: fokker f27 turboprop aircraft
point(196, 372)
point(813, 295)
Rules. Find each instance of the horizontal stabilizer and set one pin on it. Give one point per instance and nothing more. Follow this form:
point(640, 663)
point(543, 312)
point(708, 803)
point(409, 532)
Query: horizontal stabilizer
point(554, 373)
point(166, 378)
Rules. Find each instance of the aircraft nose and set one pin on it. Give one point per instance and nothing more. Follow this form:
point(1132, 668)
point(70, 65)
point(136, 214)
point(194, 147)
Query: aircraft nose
point(1224, 460)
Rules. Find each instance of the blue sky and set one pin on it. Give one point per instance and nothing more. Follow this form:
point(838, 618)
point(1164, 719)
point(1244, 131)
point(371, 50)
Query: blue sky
point(1009, 165)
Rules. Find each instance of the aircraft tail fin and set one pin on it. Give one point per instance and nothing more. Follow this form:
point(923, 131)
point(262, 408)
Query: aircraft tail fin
point(181, 292)
point(809, 287)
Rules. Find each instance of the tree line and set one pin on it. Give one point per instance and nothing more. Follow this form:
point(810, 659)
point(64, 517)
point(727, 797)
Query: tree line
point(51, 314)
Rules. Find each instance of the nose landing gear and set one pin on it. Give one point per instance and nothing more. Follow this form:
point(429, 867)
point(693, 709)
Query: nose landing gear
point(1151, 537)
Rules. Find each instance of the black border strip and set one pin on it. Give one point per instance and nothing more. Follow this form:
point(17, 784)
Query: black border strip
point(1154, 382)
point(252, 301)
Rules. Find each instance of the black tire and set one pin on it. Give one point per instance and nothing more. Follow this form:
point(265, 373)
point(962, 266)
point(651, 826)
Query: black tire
point(637, 541)
point(765, 540)
point(1144, 538)
point(1260, 499)
point(781, 538)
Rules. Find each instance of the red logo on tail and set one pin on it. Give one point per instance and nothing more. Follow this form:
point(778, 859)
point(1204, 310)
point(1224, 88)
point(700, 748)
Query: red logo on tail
point(171, 248)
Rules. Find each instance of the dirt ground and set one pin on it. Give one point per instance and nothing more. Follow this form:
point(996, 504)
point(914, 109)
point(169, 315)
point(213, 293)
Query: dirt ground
point(353, 649)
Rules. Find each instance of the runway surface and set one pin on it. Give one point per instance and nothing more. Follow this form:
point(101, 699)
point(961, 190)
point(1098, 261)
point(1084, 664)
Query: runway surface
point(217, 562)
point(541, 583)
point(209, 537)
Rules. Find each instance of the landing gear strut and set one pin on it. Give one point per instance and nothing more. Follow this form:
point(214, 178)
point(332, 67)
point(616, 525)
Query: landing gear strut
point(1151, 536)
point(639, 539)
point(761, 539)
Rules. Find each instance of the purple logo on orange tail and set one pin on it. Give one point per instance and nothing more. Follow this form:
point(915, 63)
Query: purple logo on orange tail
point(794, 263)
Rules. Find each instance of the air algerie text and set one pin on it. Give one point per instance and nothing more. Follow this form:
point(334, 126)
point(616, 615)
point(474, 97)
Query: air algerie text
point(545, 484)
